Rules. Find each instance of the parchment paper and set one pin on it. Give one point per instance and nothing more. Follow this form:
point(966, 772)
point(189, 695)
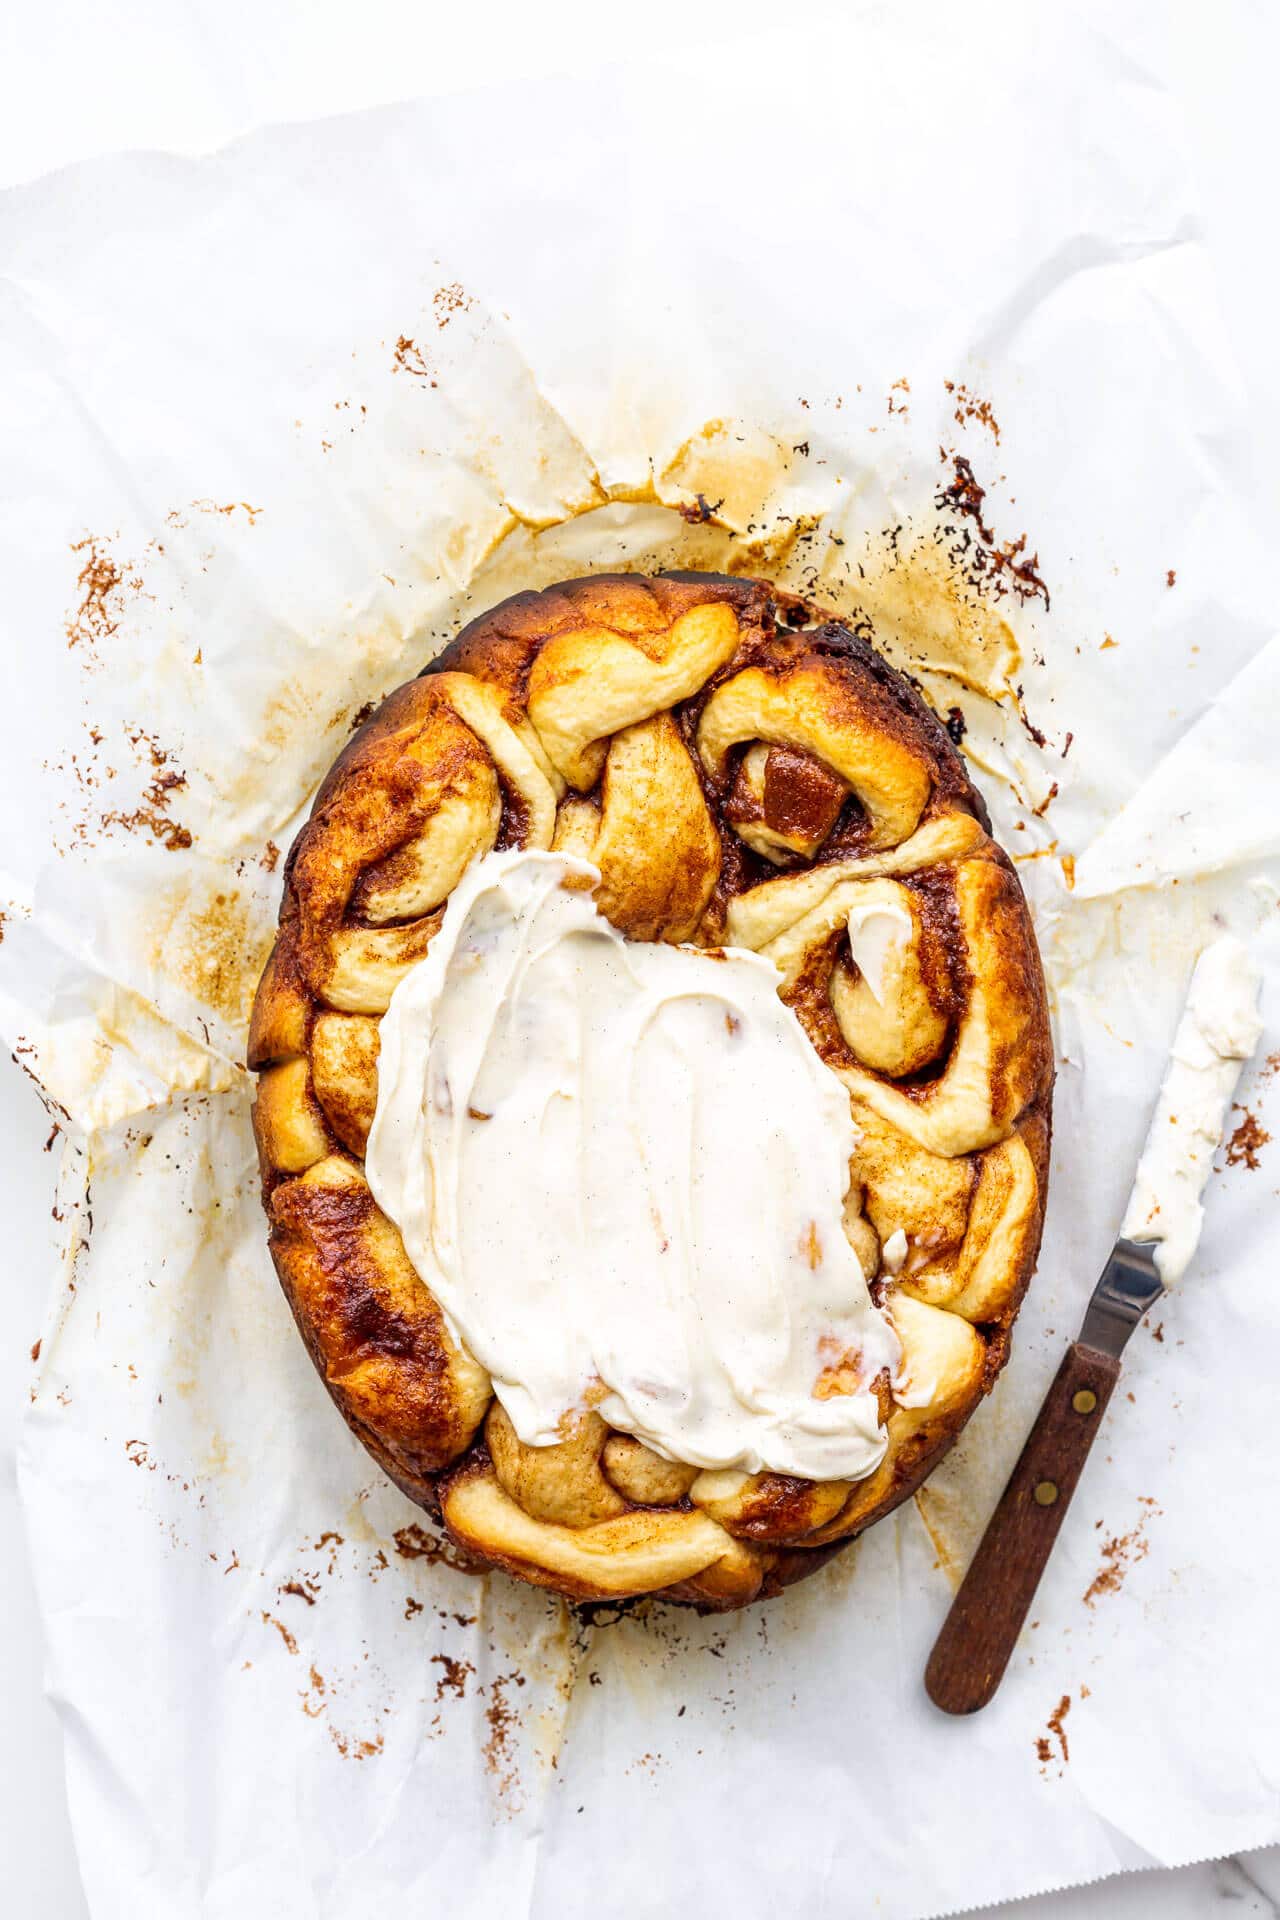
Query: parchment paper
point(276, 421)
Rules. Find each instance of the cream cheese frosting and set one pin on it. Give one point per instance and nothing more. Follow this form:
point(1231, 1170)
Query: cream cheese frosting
point(1219, 1029)
point(621, 1168)
point(875, 934)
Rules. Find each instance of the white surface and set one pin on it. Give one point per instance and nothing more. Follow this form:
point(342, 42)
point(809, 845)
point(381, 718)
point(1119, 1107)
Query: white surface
point(83, 79)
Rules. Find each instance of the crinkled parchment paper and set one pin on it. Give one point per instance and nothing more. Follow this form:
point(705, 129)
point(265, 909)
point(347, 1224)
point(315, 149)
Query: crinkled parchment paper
point(859, 315)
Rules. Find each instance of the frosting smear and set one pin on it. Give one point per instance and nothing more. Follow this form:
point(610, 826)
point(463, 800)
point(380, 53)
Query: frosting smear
point(621, 1169)
point(1219, 1029)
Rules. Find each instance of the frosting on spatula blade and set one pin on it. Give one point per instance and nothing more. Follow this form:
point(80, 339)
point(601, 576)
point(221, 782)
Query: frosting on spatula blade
point(1218, 1031)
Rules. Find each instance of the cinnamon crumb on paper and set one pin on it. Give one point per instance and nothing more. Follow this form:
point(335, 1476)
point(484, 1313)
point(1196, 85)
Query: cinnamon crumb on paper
point(1005, 564)
point(100, 609)
point(1038, 734)
point(696, 512)
point(503, 1722)
point(454, 1677)
point(1056, 1726)
point(415, 1543)
point(1247, 1141)
point(352, 1749)
point(270, 1620)
point(1055, 1729)
point(167, 833)
point(970, 407)
point(446, 301)
point(409, 358)
point(1119, 1555)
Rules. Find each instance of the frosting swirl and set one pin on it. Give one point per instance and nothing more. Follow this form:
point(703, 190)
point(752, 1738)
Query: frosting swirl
point(621, 1169)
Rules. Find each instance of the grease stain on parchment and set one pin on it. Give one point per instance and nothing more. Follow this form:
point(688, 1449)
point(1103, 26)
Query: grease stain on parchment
point(210, 941)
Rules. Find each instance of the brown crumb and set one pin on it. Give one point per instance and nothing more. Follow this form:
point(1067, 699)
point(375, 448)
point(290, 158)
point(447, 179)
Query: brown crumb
point(503, 1722)
point(1001, 563)
point(299, 1592)
point(1044, 1752)
point(289, 1641)
point(350, 1748)
point(415, 1543)
point(146, 820)
point(100, 579)
point(1247, 1141)
point(1108, 642)
point(699, 510)
point(163, 785)
point(35, 1350)
point(970, 407)
point(1119, 1553)
point(409, 358)
point(1170, 578)
point(454, 1677)
point(270, 856)
point(1056, 1726)
point(363, 713)
point(446, 301)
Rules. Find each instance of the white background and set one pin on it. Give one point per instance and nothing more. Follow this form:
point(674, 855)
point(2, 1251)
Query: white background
point(78, 79)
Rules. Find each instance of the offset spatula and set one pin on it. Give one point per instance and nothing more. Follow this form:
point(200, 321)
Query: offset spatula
point(1218, 1032)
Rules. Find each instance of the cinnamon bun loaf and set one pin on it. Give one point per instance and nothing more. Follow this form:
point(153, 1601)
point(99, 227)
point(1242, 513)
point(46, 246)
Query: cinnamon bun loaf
point(713, 768)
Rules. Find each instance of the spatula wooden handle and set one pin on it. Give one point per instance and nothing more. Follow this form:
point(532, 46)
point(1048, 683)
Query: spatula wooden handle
point(978, 1635)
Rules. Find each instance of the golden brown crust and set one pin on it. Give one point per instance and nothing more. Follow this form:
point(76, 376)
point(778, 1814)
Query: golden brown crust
point(742, 771)
point(372, 1328)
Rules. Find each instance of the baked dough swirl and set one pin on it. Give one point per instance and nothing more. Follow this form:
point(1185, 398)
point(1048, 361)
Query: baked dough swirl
point(743, 772)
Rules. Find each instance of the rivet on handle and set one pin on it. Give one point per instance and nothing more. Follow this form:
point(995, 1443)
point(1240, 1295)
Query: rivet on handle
point(1085, 1401)
point(1045, 1493)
